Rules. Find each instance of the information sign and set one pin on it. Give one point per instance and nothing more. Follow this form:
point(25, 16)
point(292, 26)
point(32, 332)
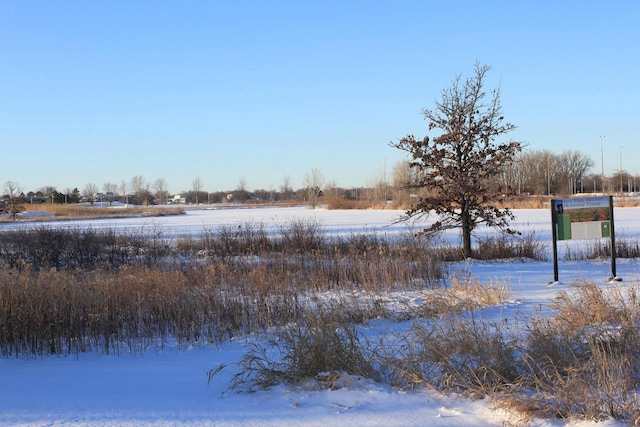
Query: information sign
point(583, 218)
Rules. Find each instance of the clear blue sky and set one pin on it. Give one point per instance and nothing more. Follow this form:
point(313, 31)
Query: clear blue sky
point(97, 91)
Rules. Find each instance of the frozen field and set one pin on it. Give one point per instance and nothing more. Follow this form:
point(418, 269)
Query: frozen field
point(169, 387)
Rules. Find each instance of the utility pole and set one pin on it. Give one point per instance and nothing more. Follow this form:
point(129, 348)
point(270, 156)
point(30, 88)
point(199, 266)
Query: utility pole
point(602, 161)
point(548, 178)
point(621, 185)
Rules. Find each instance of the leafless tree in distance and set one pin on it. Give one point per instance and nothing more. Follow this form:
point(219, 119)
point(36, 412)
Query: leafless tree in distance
point(242, 184)
point(123, 191)
point(11, 199)
point(140, 188)
point(313, 182)
point(160, 188)
point(285, 187)
point(196, 185)
point(110, 191)
point(89, 191)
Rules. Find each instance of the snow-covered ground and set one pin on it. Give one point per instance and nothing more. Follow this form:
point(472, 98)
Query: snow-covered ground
point(169, 387)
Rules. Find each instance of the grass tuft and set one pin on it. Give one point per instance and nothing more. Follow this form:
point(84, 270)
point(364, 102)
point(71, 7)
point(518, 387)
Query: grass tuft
point(318, 348)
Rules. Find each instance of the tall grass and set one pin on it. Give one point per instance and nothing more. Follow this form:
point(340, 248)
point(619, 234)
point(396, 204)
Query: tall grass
point(323, 345)
point(581, 362)
point(584, 361)
point(597, 249)
point(318, 347)
point(501, 246)
point(80, 249)
point(65, 291)
point(73, 290)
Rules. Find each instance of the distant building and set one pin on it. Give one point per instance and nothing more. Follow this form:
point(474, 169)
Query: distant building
point(179, 199)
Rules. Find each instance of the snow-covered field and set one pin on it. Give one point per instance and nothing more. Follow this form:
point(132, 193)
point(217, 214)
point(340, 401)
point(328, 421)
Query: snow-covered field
point(169, 387)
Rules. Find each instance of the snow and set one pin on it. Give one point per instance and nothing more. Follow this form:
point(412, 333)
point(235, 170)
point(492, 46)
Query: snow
point(167, 387)
point(171, 388)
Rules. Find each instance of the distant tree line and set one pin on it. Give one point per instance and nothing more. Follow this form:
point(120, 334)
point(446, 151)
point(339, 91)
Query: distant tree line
point(140, 191)
point(532, 172)
point(537, 173)
point(542, 172)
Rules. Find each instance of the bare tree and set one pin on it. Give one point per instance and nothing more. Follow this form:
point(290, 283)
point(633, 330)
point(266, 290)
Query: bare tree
point(460, 166)
point(379, 189)
point(544, 172)
point(240, 194)
point(242, 184)
point(574, 166)
point(12, 199)
point(333, 194)
point(138, 184)
point(621, 181)
point(123, 191)
point(47, 191)
point(285, 187)
point(110, 191)
point(403, 181)
point(313, 182)
point(539, 171)
point(89, 191)
point(140, 188)
point(160, 188)
point(197, 184)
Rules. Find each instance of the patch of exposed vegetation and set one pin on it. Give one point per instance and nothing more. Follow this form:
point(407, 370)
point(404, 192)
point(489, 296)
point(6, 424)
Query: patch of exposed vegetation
point(66, 291)
point(59, 212)
point(581, 363)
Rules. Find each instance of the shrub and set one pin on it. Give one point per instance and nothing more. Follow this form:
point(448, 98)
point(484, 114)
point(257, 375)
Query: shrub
point(598, 249)
point(456, 353)
point(508, 246)
point(302, 236)
point(318, 347)
point(581, 362)
point(584, 361)
point(63, 248)
point(67, 291)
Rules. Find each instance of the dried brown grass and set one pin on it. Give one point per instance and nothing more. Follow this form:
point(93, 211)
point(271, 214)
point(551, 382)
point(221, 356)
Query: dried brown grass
point(323, 346)
point(625, 248)
point(77, 211)
point(462, 294)
point(581, 362)
point(68, 291)
point(319, 348)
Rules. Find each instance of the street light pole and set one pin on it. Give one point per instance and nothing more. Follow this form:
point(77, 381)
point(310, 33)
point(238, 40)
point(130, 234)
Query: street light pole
point(621, 185)
point(602, 161)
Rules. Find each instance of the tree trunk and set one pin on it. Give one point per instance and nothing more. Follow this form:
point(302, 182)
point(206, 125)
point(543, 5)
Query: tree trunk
point(466, 233)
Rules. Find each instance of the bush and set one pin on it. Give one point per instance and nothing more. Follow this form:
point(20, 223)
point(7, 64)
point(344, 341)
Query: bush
point(73, 249)
point(598, 249)
point(580, 363)
point(318, 347)
point(507, 246)
point(584, 361)
point(68, 291)
point(456, 353)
